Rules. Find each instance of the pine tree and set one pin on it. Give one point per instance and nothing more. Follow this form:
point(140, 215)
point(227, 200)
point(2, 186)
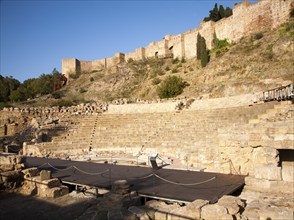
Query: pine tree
point(228, 12)
point(198, 46)
point(214, 14)
point(222, 12)
point(204, 52)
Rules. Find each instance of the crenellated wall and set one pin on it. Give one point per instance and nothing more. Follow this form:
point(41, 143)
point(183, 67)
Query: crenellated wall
point(247, 18)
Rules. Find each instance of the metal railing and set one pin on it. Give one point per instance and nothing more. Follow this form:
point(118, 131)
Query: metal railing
point(279, 94)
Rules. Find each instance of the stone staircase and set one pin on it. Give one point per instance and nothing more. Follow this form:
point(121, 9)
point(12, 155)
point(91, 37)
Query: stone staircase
point(192, 136)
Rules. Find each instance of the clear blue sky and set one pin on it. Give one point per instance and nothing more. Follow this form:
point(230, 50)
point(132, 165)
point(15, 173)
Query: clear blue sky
point(36, 34)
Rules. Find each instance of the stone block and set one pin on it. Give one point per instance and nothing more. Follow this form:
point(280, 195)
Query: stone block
point(49, 183)
point(30, 172)
point(191, 211)
point(215, 211)
point(64, 190)
point(139, 213)
point(231, 203)
point(265, 155)
point(266, 213)
point(45, 175)
point(288, 173)
point(268, 172)
point(262, 185)
point(49, 193)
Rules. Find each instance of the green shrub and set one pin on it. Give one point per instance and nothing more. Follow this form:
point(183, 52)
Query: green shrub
point(57, 94)
point(91, 79)
point(176, 60)
point(171, 87)
point(174, 70)
point(130, 60)
point(167, 68)
point(220, 46)
point(75, 75)
point(63, 102)
point(179, 65)
point(82, 90)
point(269, 52)
point(191, 69)
point(156, 81)
point(183, 60)
point(292, 13)
point(287, 29)
point(258, 35)
point(157, 72)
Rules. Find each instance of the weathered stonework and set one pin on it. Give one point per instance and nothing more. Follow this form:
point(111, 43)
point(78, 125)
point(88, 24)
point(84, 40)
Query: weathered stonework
point(247, 18)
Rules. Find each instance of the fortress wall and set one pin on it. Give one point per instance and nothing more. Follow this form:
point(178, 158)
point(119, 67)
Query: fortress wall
point(247, 18)
point(190, 41)
point(86, 66)
point(138, 54)
point(116, 59)
point(258, 18)
point(69, 66)
point(175, 45)
point(224, 29)
point(206, 29)
point(98, 64)
point(151, 49)
point(280, 11)
point(132, 55)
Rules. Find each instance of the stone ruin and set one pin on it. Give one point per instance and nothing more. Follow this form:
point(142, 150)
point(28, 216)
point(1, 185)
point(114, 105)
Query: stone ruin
point(242, 136)
point(14, 176)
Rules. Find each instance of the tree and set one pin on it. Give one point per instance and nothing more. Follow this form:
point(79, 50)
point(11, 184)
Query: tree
point(202, 52)
point(214, 14)
point(7, 85)
point(218, 13)
point(171, 87)
point(198, 46)
point(222, 12)
point(228, 12)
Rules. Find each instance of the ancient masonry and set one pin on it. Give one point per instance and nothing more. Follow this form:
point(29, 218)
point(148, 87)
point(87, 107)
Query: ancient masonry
point(247, 18)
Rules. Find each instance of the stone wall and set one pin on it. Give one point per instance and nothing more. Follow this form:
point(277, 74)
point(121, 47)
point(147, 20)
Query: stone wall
point(247, 18)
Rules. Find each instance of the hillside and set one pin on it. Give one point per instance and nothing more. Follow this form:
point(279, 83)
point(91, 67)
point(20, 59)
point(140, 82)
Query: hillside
point(255, 63)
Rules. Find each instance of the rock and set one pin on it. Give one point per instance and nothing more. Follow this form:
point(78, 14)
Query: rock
point(49, 192)
point(45, 175)
point(191, 211)
point(276, 213)
point(120, 187)
point(35, 123)
point(30, 172)
point(288, 173)
point(139, 213)
point(261, 185)
point(11, 179)
point(51, 183)
point(231, 203)
point(265, 155)
point(215, 211)
point(268, 172)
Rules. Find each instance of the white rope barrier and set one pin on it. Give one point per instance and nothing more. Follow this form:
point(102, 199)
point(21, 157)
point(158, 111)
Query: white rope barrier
point(55, 168)
point(144, 177)
point(185, 184)
point(105, 171)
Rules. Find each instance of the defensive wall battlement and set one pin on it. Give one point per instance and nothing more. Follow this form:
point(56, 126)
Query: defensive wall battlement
point(247, 18)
